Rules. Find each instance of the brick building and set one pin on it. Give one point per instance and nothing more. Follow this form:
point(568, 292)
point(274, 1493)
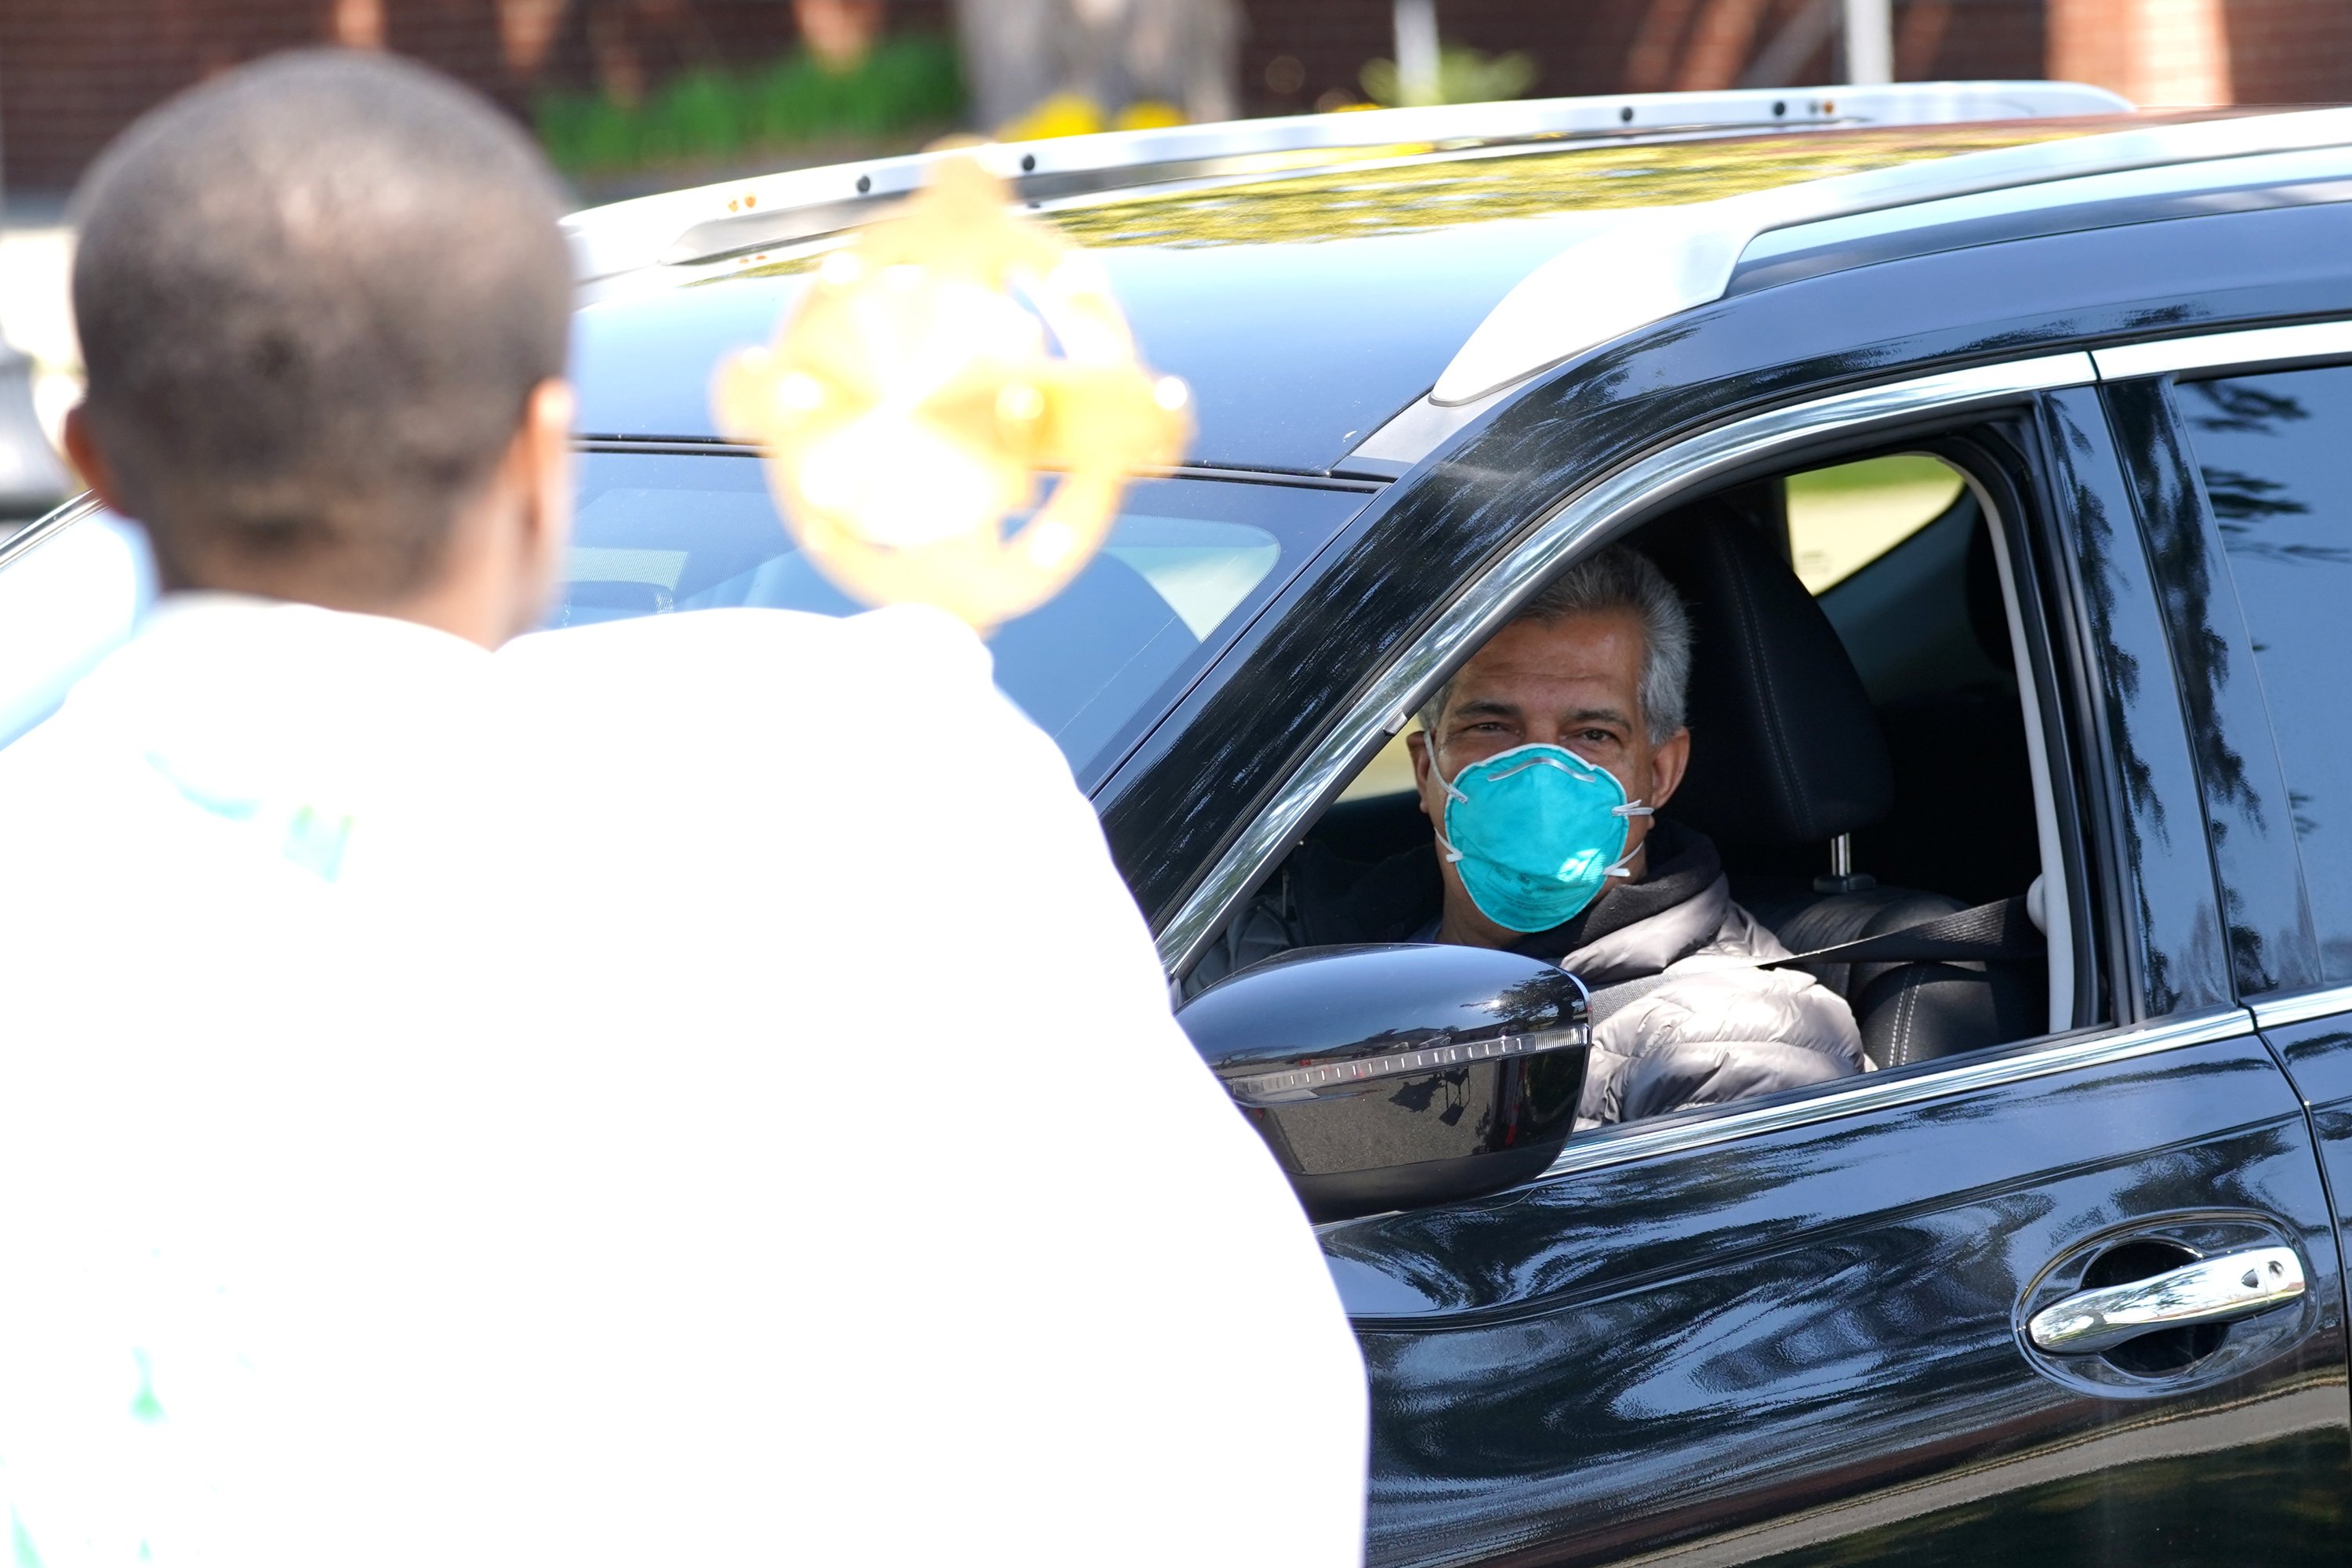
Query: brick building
point(72, 72)
point(2153, 52)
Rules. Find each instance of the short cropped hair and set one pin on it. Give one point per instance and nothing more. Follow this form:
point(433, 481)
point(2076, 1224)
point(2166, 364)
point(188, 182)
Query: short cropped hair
point(1618, 578)
point(314, 296)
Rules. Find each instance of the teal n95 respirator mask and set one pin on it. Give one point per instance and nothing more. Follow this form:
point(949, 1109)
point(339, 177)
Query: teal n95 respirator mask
point(1535, 833)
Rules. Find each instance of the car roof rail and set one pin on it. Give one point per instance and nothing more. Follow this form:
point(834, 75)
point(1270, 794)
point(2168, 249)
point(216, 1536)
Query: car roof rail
point(1661, 261)
point(775, 210)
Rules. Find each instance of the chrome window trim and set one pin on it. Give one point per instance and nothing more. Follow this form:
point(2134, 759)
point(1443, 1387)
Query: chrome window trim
point(1877, 1091)
point(2226, 351)
point(1638, 486)
point(2302, 1007)
point(46, 526)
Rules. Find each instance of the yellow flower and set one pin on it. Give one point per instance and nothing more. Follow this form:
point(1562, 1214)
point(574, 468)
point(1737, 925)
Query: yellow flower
point(1148, 114)
point(1064, 114)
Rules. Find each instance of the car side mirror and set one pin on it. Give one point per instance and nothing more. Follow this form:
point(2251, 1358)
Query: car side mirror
point(1393, 1077)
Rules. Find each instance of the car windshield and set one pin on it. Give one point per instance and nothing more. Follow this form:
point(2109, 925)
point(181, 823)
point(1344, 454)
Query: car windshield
point(1187, 563)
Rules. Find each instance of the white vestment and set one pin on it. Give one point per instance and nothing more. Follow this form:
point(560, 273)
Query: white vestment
point(603, 1103)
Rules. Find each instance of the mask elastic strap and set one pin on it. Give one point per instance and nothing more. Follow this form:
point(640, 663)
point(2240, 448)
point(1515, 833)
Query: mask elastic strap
point(1437, 766)
point(1630, 808)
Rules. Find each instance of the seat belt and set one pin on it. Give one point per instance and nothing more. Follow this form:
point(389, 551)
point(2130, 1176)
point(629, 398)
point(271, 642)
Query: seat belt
point(1998, 933)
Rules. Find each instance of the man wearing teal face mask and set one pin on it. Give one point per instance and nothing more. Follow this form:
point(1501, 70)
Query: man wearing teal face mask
point(1540, 765)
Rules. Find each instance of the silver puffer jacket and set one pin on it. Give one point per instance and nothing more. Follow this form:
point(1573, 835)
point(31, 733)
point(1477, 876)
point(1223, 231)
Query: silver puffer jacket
point(1718, 1027)
point(1708, 1026)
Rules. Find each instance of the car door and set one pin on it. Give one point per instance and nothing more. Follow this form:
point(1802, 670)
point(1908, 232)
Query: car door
point(2243, 443)
point(1795, 1330)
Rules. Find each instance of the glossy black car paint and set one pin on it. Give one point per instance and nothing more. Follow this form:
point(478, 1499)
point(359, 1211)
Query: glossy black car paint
point(1272, 339)
point(2248, 816)
point(2260, 872)
point(2173, 948)
point(1804, 1346)
point(1186, 791)
point(2317, 1054)
point(1494, 1114)
point(1925, 239)
point(1812, 1337)
point(1799, 1340)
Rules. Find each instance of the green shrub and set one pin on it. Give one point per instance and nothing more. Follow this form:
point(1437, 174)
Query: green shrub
point(908, 81)
point(1463, 76)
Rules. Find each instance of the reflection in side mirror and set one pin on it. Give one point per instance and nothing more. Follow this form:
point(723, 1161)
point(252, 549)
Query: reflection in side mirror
point(1393, 1077)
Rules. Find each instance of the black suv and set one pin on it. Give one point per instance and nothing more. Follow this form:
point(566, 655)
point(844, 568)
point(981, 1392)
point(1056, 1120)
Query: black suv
point(2001, 440)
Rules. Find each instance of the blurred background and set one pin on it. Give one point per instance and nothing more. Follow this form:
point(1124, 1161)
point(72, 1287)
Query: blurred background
point(632, 96)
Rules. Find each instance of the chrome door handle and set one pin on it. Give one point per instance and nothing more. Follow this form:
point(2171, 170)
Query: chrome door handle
point(2210, 1291)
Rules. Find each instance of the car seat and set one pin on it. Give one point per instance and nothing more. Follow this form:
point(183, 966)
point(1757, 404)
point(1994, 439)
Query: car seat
point(1787, 751)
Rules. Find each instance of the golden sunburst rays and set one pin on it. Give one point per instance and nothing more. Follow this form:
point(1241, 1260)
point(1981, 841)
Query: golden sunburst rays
point(931, 373)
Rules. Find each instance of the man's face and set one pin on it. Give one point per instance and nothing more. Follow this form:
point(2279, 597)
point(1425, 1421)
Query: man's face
point(1575, 683)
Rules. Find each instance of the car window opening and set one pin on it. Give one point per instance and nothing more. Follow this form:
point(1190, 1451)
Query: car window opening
point(1187, 562)
point(1908, 582)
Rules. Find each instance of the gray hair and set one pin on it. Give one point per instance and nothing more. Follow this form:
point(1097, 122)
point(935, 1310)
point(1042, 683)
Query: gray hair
point(1618, 578)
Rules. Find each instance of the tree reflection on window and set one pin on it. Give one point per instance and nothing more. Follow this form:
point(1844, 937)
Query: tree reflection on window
point(2274, 454)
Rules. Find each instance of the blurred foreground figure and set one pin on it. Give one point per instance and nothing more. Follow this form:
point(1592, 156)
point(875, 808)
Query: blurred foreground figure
point(606, 1101)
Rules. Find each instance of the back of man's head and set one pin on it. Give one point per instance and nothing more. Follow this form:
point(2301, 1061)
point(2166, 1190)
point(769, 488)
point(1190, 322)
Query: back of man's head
point(314, 298)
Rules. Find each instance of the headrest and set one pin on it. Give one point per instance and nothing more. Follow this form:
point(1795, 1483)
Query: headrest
point(1785, 748)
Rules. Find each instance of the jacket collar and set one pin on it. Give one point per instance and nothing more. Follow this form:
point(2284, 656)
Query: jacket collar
point(1648, 945)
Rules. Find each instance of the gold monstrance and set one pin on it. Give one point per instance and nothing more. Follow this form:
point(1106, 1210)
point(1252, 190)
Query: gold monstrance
point(931, 372)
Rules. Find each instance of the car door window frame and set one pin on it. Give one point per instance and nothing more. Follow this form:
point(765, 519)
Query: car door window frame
point(1872, 417)
point(1612, 505)
point(2076, 984)
point(2257, 864)
point(2165, 939)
